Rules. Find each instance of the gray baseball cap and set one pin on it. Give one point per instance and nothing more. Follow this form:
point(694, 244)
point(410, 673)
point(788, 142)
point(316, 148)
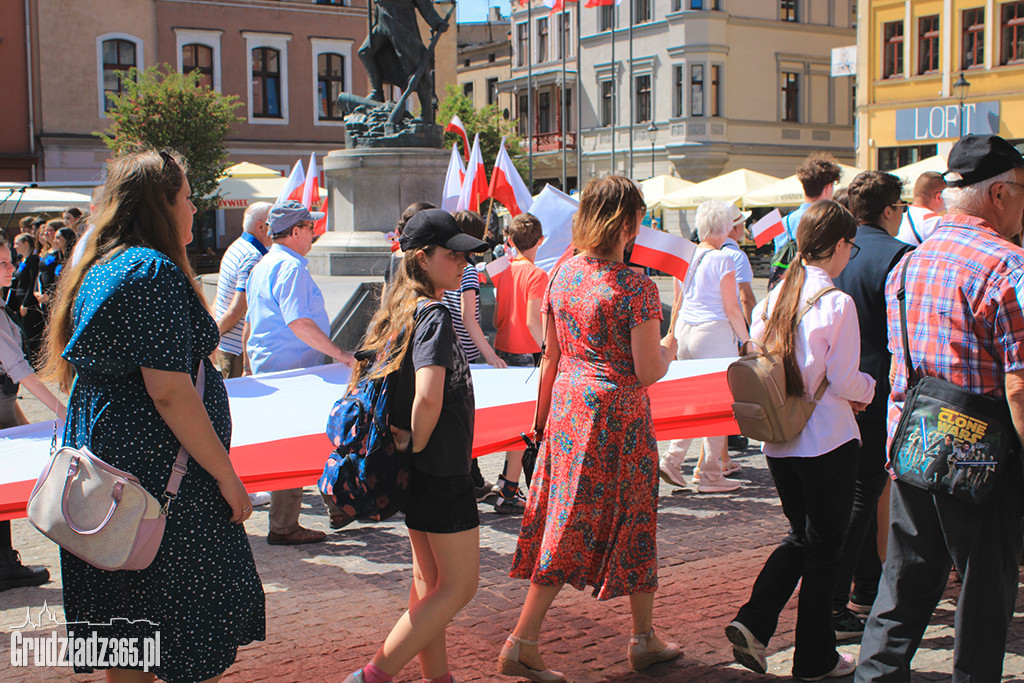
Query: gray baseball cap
point(287, 214)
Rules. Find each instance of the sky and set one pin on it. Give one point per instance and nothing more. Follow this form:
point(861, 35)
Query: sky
point(476, 10)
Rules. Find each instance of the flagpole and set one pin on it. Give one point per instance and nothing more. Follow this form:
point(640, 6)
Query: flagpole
point(562, 25)
point(632, 104)
point(529, 90)
point(615, 81)
point(579, 102)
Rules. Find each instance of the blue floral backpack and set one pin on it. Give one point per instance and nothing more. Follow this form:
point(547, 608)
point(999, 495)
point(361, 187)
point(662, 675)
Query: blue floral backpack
point(365, 474)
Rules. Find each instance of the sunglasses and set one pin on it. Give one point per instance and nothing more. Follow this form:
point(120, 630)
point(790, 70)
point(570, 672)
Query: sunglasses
point(854, 250)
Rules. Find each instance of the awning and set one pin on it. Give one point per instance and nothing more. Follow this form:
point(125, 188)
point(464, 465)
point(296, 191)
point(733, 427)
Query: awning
point(911, 172)
point(789, 191)
point(239, 193)
point(655, 189)
point(19, 198)
point(730, 187)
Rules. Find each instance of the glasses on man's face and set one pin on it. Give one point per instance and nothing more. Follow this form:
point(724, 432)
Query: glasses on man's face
point(900, 206)
point(1010, 182)
point(854, 249)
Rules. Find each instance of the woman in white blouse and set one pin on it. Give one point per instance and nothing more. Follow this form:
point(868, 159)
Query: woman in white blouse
point(815, 472)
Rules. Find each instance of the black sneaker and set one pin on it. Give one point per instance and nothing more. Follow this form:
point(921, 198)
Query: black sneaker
point(13, 574)
point(738, 443)
point(510, 505)
point(485, 493)
point(847, 625)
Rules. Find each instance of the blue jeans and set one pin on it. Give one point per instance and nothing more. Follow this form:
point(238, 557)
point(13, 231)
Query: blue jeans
point(929, 533)
point(816, 495)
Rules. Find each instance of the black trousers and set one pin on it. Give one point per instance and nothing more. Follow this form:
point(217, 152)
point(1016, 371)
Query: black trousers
point(929, 533)
point(816, 495)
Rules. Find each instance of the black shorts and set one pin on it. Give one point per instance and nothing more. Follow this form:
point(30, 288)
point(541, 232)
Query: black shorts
point(441, 505)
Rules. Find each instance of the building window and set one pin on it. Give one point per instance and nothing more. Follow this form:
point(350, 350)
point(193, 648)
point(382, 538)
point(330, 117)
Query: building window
point(973, 38)
point(787, 10)
point(565, 46)
point(641, 11)
point(1013, 33)
point(491, 57)
point(790, 96)
point(928, 44)
point(716, 89)
point(643, 98)
point(678, 91)
point(895, 157)
point(118, 57)
point(892, 49)
point(523, 105)
point(465, 63)
point(522, 39)
point(266, 83)
point(544, 112)
point(467, 90)
point(196, 57)
point(606, 17)
point(330, 82)
point(542, 40)
point(570, 120)
point(492, 91)
point(607, 102)
point(696, 90)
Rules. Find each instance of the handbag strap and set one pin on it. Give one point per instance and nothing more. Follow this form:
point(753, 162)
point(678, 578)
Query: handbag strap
point(901, 296)
point(913, 228)
point(180, 466)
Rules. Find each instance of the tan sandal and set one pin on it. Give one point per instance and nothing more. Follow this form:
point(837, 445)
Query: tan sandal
point(640, 658)
point(509, 664)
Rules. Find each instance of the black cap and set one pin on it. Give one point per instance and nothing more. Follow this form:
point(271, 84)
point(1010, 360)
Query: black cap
point(436, 226)
point(979, 157)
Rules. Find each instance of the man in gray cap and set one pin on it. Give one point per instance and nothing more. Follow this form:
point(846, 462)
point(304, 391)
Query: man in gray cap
point(965, 325)
point(288, 330)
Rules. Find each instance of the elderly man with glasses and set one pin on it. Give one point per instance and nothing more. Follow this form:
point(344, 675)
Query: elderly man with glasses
point(288, 329)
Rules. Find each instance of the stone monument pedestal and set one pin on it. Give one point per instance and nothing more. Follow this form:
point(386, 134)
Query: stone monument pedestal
point(367, 191)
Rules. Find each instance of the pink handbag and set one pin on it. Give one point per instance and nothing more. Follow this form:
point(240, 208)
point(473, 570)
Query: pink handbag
point(102, 514)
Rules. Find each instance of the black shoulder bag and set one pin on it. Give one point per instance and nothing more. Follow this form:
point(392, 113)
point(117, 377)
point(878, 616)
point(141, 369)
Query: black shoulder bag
point(950, 440)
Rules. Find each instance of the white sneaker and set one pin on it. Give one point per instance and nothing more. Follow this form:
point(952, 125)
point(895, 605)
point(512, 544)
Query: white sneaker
point(723, 485)
point(844, 667)
point(672, 474)
point(258, 499)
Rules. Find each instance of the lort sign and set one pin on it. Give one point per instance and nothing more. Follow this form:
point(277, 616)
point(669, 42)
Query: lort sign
point(942, 122)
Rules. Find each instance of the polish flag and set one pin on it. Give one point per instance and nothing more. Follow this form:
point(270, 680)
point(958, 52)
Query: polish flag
point(455, 126)
point(293, 187)
point(453, 181)
point(670, 254)
point(556, 5)
point(320, 226)
point(767, 228)
point(600, 3)
point(507, 185)
point(474, 185)
point(311, 187)
point(496, 268)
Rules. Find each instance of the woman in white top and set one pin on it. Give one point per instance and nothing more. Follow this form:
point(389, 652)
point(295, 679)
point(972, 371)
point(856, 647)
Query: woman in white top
point(816, 471)
point(710, 324)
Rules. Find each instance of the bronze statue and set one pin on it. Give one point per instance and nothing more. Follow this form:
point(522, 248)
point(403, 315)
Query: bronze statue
point(393, 50)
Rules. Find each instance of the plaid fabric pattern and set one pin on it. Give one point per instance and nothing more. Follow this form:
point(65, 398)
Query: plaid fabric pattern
point(965, 310)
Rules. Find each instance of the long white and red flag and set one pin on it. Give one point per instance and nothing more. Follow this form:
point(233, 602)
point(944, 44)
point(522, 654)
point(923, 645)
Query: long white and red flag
point(456, 126)
point(294, 186)
point(453, 181)
point(278, 439)
point(768, 228)
point(670, 254)
point(311, 186)
point(507, 185)
point(474, 185)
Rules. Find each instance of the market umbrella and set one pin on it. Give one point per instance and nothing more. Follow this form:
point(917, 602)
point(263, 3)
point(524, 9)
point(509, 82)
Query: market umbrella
point(730, 187)
point(239, 193)
point(911, 172)
point(656, 188)
point(249, 170)
point(23, 199)
point(789, 191)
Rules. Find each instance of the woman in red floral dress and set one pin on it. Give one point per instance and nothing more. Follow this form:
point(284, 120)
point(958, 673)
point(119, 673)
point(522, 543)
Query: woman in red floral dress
point(591, 514)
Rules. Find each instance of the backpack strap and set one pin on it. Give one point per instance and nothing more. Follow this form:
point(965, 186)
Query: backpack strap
point(901, 295)
point(808, 304)
point(913, 228)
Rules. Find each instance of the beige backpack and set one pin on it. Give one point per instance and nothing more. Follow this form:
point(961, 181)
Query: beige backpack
point(763, 409)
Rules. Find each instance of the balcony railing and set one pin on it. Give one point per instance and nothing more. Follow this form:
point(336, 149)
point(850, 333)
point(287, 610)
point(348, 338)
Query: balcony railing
point(549, 142)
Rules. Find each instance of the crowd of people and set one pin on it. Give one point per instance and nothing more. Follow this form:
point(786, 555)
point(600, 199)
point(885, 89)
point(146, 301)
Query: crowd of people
point(129, 330)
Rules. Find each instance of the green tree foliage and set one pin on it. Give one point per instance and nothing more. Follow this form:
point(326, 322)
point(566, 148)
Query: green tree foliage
point(489, 122)
point(160, 108)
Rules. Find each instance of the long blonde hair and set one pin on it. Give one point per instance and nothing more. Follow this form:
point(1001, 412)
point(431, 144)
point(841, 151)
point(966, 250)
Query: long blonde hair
point(390, 329)
point(134, 210)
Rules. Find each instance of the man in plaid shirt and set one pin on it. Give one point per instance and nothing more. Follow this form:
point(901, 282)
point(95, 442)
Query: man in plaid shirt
point(965, 319)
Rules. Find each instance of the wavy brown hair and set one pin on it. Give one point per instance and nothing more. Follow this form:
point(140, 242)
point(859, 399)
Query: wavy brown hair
point(821, 228)
point(134, 210)
point(607, 206)
point(390, 329)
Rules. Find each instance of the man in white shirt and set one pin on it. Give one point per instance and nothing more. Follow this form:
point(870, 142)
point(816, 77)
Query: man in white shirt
point(923, 215)
point(744, 273)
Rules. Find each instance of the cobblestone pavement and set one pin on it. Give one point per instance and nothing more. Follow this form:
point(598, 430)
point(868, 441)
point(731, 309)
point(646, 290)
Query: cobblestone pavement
point(330, 605)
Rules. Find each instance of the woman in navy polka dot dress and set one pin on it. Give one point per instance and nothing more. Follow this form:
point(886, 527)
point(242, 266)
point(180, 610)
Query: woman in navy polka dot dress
point(130, 328)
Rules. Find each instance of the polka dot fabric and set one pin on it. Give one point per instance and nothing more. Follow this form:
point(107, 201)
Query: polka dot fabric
point(591, 515)
point(202, 592)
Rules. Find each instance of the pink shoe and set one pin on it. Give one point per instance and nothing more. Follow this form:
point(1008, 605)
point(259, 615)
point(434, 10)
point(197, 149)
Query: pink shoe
point(723, 485)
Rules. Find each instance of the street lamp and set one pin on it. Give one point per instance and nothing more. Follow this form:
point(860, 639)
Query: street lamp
point(652, 134)
point(960, 89)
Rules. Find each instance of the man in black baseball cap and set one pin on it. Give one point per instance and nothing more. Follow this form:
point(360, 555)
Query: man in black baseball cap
point(975, 158)
point(438, 227)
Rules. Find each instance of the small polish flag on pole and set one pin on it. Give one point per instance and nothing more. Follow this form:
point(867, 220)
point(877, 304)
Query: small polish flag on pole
point(768, 228)
point(311, 188)
point(474, 185)
point(497, 267)
point(293, 187)
point(453, 181)
point(659, 250)
point(507, 185)
point(455, 126)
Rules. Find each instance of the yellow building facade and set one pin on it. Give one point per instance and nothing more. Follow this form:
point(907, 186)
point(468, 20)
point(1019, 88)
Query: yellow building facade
point(929, 71)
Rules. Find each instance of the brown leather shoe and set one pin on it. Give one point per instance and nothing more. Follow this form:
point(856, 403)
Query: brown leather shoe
point(298, 537)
